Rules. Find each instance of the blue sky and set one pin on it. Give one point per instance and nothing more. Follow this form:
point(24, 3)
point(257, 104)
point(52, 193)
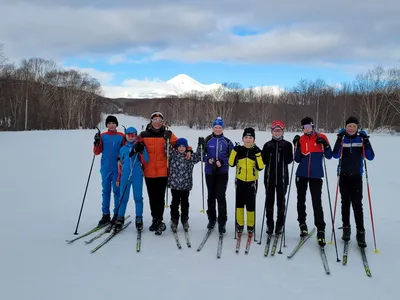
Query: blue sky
point(126, 44)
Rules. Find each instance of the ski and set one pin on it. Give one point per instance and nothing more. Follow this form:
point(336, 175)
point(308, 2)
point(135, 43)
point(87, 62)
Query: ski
point(219, 248)
point(107, 230)
point(324, 260)
point(345, 253)
point(275, 244)
point(365, 262)
point(97, 228)
point(248, 244)
point(238, 241)
point(267, 244)
point(138, 240)
point(301, 243)
point(113, 234)
point(186, 233)
point(203, 242)
point(175, 234)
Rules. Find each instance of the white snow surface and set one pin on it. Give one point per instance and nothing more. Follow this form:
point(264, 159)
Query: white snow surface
point(42, 182)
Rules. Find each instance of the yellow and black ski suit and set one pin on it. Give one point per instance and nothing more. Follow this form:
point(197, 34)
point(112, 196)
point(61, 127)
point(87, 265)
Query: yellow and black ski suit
point(248, 162)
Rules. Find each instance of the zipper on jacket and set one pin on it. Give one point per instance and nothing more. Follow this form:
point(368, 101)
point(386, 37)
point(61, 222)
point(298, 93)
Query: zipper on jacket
point(276, 163)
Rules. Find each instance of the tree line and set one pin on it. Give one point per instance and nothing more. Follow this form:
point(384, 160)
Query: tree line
point(38, 94)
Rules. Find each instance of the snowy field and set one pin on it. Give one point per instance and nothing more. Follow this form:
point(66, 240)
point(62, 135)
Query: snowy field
point(42, 183)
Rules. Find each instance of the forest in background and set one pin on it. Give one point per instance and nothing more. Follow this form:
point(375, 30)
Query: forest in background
point(38, 94)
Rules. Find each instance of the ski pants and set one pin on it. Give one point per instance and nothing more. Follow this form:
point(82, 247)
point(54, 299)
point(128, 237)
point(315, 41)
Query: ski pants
point(156, 188)
point(280, 192)
point(180, 198)
point(216, 187)
point(109, 180)
point(246, 197)
point(351, 190)
point(136, 183)
point(316, 193)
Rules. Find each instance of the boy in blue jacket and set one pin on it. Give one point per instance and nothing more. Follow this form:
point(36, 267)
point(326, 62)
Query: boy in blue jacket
point(108, 144)
point(130, 174)
point(351, 147)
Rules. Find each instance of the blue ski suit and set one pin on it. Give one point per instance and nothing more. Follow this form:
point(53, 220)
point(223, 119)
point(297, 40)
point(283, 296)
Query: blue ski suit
point(131, 175)
point(110, 144)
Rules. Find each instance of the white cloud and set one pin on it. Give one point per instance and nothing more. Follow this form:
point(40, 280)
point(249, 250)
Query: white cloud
point(103, 77)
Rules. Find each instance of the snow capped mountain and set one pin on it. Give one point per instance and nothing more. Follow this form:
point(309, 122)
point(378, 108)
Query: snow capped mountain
point(176, 86)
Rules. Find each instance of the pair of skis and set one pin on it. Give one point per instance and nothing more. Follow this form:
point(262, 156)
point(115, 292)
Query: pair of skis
point(274, 244)
point(187, 239)
point(248, 243)
point(363, 257)
point(205, 239)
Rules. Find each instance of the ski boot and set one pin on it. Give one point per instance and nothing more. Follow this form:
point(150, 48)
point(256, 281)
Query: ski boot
point(321, 237)
point(270, 229)
point(346, 233)
point(105, 219)
point(185, 223)
point(160, 227)
point(239, 230)
point(361, 239)
point(119, 223)
point(303, 230)
point(211, 224)
point(278, 230)
point(250, 231)
point(174, 225)
point(153, 225)
point(139, 223)
point(221, 228)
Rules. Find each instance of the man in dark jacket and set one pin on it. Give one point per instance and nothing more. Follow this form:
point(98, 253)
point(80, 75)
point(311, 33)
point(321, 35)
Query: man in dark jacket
point(277, 154)
point(351, 147)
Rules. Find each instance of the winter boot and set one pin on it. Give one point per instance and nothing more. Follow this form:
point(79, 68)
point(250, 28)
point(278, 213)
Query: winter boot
point(211, 224)
point(139, 223)
point(303, 230)
point(221, 228)
point(185, 223)
point(278, 229)
point(250, 230)
point(174, 225)
point(114, 219)
point(270, 229)
point(105, 219)
point(346, 233)
point(361, 239)
point(119, 223)
point(160, 227)
point(153, 225)
point(321, 238)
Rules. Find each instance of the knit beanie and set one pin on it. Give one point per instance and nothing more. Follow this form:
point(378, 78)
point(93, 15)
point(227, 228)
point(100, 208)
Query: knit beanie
point(218, 121)
point(307, 121)
point(249, 132)
point(181, 142)
point(278, 123)
point(111, 119)
point(157, 114)
point(131, 130)
point(352, 120)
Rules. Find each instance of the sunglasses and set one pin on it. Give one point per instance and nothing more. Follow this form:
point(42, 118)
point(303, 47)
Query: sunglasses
point(307, 126)
point(157, 120)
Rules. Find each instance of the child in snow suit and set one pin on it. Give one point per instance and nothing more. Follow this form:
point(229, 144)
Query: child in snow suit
point(311, 148)
point(130, 174)
point(277, 154)
point(351, 147)
point(180, 181)
point(248, 162)
point(217, 149)
point(108, 144)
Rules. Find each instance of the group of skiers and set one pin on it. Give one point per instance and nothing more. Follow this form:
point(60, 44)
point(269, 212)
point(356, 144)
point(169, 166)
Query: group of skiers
point(166, 161)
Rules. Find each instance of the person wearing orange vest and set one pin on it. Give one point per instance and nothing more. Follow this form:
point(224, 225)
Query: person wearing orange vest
point(311, 148)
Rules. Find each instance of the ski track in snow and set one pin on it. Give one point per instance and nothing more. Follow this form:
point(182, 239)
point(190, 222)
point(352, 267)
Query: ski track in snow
point(42, 183)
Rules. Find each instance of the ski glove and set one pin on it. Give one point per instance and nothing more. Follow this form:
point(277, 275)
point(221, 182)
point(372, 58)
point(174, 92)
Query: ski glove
point(237, 147)
point(364, 135)
point(96, 139)
point(139, 147)
point(167, 134)
point(256, 149)
point(201, 142)
point(341, 133)
point(322, 141)
point(296, 140)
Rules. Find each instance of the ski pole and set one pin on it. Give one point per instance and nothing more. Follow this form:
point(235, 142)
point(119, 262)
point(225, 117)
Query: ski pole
point(287, 204)
point(369, 199)
point(266, 198)
point(166, 190)
point(202, 177)
point(87, 185)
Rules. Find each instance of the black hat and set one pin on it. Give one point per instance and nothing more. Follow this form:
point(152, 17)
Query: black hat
point(249, 132)
point(353, 120)
point(307, 121)
point(111, 119)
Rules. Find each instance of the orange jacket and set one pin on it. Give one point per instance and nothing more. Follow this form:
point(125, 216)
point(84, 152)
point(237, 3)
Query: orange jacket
point(154, 142)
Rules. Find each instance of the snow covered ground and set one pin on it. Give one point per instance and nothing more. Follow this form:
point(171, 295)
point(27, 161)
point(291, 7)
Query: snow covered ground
point(42, 183)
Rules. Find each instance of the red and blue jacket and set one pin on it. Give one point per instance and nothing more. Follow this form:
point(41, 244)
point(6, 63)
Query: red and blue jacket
point(110, 145)
point(309, 156)
point(352, 150)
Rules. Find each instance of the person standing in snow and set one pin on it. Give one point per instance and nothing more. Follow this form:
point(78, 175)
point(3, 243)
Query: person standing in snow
point(311, 148)
point(130, 174)
point(156, 170)
point(351, 147)
point(277, 154)
point(109, 144)
point(180, 181)
point(217, 149)
point(248, 162)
